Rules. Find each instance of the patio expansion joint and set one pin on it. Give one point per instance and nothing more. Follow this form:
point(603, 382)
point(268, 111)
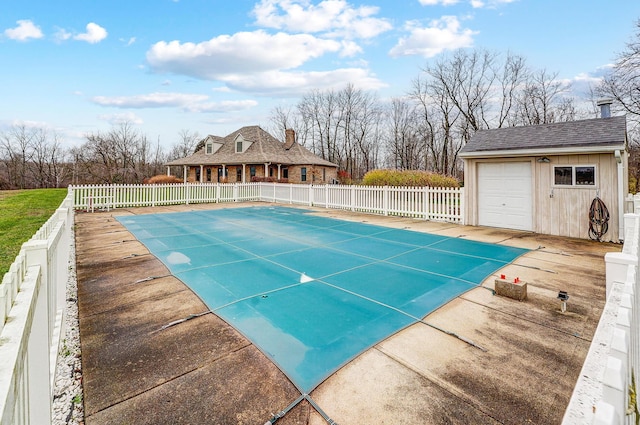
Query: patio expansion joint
point(150, 389)
point(123, 306)
point(574, 335)
point(454, 391)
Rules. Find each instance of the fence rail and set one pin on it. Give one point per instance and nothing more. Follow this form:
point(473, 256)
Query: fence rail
point(607, 389)
point(32, 309)
point(439, 204)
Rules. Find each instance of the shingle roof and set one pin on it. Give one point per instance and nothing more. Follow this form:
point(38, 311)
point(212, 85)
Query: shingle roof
point(592, 133)
point(264, 149)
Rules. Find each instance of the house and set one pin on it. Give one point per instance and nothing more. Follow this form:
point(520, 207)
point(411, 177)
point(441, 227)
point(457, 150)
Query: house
point(543, 178)
point(251, 154)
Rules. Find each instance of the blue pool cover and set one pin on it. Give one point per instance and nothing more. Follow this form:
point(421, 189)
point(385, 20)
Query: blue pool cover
point(313, 292)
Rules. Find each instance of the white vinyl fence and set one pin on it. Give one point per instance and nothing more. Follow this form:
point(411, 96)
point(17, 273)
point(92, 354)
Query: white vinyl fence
point(438, 204)
point(606, 391)
point(32, 308)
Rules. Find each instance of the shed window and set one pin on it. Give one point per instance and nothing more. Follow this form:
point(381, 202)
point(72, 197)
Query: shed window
point(574, 175)
point(303, 174)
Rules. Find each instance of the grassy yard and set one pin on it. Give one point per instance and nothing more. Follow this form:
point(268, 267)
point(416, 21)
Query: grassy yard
point(22, 212)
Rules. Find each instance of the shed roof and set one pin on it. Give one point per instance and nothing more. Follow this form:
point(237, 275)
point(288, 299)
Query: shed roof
point(264, 149)
point(579, 136)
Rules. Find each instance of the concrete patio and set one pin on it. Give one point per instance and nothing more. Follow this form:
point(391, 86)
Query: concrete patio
point(203, 371)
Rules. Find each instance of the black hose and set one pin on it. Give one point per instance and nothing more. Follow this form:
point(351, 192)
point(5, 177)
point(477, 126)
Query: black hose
point(598, 219)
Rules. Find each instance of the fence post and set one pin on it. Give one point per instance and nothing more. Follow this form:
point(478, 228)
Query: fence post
point(385, 200)
point(311, 195)
point(40, 337)
point(427, 202)
point(461, 212)
point(352, 200)
point(326, 196)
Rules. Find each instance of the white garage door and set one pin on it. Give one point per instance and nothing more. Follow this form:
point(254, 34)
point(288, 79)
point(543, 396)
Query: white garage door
point(504, 195)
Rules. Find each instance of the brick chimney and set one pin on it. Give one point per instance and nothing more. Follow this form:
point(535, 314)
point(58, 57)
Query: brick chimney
point(289, 138)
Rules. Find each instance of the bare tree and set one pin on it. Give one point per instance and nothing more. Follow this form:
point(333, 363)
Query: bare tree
point(121, 155)
point(186, 144)
point(539, 100)
point(623, 82)
point(405, 146)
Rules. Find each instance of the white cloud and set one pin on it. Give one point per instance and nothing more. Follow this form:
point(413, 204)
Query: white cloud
point(477, 4)
point(128, 42)
point(223, 106)
point(442, 34)
point(241, 53)
point(62, 34)
point(95, 34)
point(297, 83)
point(152, 100)
point(117, 119)
point(24, 31)
point(332, 17)
point(437, 2)
point(187, 102)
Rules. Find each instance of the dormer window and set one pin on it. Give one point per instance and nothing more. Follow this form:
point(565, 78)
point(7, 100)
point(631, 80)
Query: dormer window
point(241, 144)
point(209, 148)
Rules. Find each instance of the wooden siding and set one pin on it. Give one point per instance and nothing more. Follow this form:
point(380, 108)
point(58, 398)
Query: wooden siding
point(560, 211)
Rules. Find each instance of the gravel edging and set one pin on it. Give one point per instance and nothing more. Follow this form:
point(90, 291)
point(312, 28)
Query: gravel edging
point(68, 406)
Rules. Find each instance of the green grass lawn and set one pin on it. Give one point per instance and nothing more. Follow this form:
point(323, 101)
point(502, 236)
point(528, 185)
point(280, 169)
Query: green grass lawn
point(22, 213)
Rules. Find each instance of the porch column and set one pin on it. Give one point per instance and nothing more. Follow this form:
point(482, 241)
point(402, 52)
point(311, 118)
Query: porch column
point(201, 173)
point(224, 171)
point(184, 168)
point(266, 169)
point(168, 170)
point(279, 165)
point(244, 172)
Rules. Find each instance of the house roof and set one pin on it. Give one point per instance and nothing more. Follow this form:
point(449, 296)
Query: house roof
point(600, 134)
point(264, 148)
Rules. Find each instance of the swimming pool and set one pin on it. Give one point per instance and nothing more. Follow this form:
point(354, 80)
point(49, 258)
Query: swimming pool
point(313, 292)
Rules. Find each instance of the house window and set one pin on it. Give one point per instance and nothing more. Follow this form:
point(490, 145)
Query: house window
point(252, 171)
point(574, 175)
point(208, 174)
point(285, 173)
point(209, 148)
point(303, 174)
point(239, 146)
point(238, 174)
point(198, 174)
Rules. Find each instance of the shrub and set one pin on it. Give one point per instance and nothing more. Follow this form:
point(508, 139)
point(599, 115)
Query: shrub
point(162, 179)
point(344, 177)
point(408, 178)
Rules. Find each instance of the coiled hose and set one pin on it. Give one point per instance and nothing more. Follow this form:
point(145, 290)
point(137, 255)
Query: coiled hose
point(598, 219)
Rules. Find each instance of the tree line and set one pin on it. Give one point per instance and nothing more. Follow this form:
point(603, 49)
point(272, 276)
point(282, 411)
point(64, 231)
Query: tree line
point(425, 129)
point(447, 104)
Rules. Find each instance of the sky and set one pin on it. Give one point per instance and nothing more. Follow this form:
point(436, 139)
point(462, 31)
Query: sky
point(77, 67)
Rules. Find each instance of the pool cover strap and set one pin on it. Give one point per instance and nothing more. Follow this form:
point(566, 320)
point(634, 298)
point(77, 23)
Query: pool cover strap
point(313, 404)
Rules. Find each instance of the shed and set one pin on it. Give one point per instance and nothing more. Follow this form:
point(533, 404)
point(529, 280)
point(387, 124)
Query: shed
point(543, 178)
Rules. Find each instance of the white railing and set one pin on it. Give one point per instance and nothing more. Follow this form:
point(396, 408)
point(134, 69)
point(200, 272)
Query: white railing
point(32, 308)
point(606, 391)
point(438, 204)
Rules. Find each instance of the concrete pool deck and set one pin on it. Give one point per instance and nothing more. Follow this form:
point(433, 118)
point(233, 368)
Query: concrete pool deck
point(203, 371)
